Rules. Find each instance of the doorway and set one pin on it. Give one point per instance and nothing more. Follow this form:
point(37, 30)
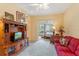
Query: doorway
point(45, 29)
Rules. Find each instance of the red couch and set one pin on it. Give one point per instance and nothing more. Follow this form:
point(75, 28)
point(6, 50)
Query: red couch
point(72, 49)
point(55, 39)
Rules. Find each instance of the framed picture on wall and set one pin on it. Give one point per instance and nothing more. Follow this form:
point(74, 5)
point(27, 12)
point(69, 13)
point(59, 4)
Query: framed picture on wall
point(9, 16)
point(20, 17)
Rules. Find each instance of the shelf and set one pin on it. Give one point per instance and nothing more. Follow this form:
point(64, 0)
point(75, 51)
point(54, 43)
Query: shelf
point(11, 27)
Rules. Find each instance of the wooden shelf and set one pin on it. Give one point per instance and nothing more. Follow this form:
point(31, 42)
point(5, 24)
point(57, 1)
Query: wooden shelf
point(7, 27)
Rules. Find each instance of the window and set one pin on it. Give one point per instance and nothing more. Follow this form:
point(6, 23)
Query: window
point(46, 28)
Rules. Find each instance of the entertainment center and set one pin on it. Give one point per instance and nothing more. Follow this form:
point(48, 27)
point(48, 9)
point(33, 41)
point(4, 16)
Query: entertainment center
point(12, 37)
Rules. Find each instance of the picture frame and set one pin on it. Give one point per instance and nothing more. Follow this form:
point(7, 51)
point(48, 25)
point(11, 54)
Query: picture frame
point(20, 17)
point(9, 16)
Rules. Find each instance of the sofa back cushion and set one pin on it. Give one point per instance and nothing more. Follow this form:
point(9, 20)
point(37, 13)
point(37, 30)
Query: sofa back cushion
point(68, 39)
point(77, 51)
point(56, 39)
point(73, 44)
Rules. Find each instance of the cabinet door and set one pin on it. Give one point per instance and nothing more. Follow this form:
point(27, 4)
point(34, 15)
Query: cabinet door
point(18, 47)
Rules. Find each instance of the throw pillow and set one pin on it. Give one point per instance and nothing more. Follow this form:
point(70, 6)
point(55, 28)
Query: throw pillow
point(63, 42)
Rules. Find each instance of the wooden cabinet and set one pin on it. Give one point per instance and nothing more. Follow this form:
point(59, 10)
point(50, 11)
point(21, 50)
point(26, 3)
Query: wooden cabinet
point(7, 47)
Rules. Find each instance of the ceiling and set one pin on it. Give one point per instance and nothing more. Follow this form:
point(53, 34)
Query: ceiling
point(51, 8)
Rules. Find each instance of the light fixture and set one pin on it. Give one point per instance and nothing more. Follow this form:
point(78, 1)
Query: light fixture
point(45, 5)
point(54, 27)
point(41, 5)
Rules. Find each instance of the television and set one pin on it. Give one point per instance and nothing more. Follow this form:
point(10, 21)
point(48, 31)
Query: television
point(16, 36)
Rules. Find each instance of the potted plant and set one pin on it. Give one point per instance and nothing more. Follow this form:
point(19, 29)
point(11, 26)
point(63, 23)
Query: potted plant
point(61, 31)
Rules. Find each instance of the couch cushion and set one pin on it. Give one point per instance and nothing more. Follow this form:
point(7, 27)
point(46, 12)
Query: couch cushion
point(57, 44)
point(56, 39)
point(77, 51)
point(73, 44)
point(63, 48)
point(65, 53)
point(68, 38)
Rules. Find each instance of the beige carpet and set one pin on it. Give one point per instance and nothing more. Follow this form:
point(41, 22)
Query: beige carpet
point(40, 48)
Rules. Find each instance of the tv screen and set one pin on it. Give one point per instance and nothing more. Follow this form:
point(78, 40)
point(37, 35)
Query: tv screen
point(18, 35)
